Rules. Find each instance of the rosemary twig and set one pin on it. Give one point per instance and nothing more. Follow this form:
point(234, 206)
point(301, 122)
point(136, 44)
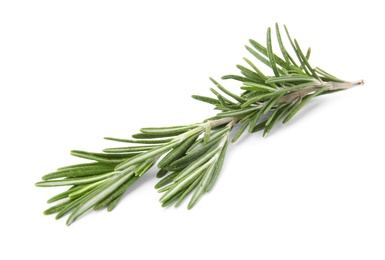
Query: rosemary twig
point(190, 157)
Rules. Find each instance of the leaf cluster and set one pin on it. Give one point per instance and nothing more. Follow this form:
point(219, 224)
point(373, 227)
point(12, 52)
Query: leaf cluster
point(279, 96)
point(194, 155)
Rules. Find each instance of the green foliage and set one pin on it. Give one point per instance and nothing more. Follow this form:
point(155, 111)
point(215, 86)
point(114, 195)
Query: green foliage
point(191, 157)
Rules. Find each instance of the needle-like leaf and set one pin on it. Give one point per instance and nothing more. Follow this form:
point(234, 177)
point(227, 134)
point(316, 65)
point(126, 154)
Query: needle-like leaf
point(270, 54)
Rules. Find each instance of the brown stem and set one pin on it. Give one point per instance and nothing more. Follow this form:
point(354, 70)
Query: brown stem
point(305, 91)
point(345, 85)
point(295, 95)
point(224, 120)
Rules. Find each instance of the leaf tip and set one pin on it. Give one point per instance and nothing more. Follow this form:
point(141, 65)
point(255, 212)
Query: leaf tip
point(190, 205)
point(40, 184)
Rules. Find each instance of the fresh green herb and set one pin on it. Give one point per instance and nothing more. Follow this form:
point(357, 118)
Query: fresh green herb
point(190, 157)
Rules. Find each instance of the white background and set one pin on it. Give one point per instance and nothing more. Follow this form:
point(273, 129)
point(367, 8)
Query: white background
point(72, 72)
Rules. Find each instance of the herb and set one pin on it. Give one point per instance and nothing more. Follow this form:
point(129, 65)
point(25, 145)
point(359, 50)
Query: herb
point(190, 157)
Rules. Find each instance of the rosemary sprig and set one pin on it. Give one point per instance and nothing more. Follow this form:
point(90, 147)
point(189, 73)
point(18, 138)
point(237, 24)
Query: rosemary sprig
point(190, 157)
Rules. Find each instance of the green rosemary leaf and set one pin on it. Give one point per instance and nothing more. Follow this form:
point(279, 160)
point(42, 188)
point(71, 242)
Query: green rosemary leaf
point(259, 127)
point(270, 54)
point(207, 134)
point(308, 53)
point(257, 87)
point(291, 78)
point(299, 68)
point(327, 76)
point(166, 180)
point(101, 157)
point(256, 117)
point(87, 167)
point(224, 90)
point(267, 129)
point(291, 41)
point(257, 55)
point(198, 143)
point(202, 185)
point(172, 199)
point(238, 112)
point(255, 99)
point(250, 94)
point(241, 130)
point(281, 46)
point(95, 169)
point(85, 189)
point(130, 149)
point(74, 181)
point(218, 167)
point(166, 131)
point(152, 136)
point(80, 165)
point(236, 77)
point(161, 173)
point(114, 203)
point(209, 100)
point(167, 187)
point(171, 128)
point(57, 208)
point(305, 61)
point(64, 194)
point(152, 141)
